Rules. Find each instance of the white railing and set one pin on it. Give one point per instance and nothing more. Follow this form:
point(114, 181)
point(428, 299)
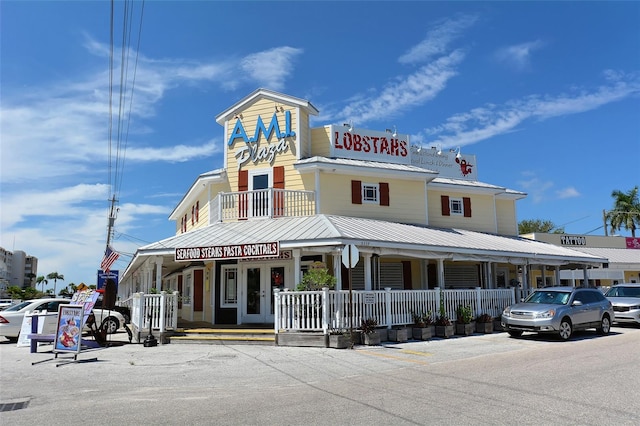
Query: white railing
point(326, 309)
point(269, 203)
point(159, 310)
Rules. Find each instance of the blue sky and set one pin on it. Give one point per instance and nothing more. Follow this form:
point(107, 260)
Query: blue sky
point(545, 94)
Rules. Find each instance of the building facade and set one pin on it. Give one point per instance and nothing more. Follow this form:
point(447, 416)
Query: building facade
point(290, 196)
point(17, 269)
point(622, 254)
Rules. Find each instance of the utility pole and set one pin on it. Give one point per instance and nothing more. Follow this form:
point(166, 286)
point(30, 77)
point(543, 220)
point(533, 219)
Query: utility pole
point(112, 218)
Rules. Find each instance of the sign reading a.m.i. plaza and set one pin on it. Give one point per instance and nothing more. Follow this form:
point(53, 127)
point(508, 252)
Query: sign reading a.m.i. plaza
point(231, 251)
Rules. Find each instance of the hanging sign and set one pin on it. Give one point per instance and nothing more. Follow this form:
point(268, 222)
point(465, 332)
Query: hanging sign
point(231, 251)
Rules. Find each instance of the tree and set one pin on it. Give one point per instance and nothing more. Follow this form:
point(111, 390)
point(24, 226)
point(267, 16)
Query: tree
point(537, 225)
point(41, 280)
point(626, 211)
point(55, 277)
point(31, 277)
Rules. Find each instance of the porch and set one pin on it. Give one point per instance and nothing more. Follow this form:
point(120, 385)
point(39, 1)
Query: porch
point(262, 203)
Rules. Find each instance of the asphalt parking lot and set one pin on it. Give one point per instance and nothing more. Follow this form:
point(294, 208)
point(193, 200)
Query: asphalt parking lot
point(173, 383)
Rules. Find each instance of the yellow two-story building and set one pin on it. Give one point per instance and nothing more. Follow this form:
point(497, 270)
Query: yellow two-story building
point(289, 196)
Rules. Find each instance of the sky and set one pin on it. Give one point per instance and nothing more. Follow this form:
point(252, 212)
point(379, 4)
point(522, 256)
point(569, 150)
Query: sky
point(546, 95)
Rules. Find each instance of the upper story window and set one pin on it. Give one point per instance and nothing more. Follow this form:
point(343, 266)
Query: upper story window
point(369, 193)
point(455, 206)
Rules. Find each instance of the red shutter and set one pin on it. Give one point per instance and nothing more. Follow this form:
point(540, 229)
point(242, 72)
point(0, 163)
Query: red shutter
point(466, 205)
point(278, 185)
point(444, 200)
point(197, 211)
point(243, 200)
point(193, 215)
point(356, 192)
point(384, 194)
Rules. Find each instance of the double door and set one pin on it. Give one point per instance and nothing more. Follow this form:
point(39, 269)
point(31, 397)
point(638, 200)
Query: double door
point(259, 282)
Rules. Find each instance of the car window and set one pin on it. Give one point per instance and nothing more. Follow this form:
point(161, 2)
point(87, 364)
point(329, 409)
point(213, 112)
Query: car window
point(17, 307)
point(624, 292)
point(586, 297)
point(549, 297)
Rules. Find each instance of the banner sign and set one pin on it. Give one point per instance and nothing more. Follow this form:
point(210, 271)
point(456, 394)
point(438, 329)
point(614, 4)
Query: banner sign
point(87, 299)
point(103, 277)
point(68, 336)
point(232, 251)
point(371, 145)
point(632, 243)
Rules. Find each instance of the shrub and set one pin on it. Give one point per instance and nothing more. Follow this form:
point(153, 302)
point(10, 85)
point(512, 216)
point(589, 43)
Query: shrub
point(464, 314)
point(316, 279)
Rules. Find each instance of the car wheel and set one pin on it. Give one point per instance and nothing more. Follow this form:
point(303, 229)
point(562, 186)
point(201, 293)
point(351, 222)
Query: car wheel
point(605, 325)
point(515, 333)
point(565, 329)
point(110, 325)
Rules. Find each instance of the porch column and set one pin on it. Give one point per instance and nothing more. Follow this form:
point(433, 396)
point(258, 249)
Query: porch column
point(367, 271)
point(490, 266)
point(158, 273)
point(557, 275)
point(543, 274)
point(297, 269)
point(337, 268)
point(441, 273)
point(146, 278)
point(586, 276)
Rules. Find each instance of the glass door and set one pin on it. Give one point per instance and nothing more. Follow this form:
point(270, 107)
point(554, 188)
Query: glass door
point(260, 282)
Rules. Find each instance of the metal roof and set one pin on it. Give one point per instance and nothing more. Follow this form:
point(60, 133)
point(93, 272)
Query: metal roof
point(617, 256)
point(327, 232)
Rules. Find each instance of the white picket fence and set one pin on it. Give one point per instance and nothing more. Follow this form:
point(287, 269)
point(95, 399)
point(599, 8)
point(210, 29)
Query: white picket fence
point(159, 310)
point(329, 309)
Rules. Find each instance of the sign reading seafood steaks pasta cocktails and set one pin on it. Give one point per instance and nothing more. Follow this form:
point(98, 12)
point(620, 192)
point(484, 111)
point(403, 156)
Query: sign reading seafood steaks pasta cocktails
point(231, 251)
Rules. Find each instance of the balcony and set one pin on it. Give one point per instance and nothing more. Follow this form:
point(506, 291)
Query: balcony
point(262, 203)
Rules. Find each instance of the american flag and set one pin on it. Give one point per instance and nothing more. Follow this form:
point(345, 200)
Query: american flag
point(110, 256)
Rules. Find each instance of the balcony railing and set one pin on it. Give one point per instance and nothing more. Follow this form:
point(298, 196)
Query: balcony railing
point(265, 203)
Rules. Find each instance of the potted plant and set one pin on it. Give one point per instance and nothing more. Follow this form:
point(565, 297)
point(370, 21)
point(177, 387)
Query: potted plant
point(484, 324)
point(399, 333)
point(423, 328)
point(339, 338)
point(370, 334)
point(464, 321)
point(316, 279)
point(444, 327)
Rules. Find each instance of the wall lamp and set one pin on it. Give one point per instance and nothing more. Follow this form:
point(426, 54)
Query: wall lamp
point(395, 131)
point(238, 116)
point(350, 126)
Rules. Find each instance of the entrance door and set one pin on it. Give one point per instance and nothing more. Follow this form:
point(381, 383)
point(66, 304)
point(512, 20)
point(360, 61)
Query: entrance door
point(259, 282)
point(259, 201)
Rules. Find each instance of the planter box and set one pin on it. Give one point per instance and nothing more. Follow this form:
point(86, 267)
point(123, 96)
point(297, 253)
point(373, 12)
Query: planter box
point(339, 341)
point(371, 338)
point(423, 333)
point(497, 325)
point(484, 327)
point(399, 334)
point(384, 334)
point(445, 331)
point(465, 329)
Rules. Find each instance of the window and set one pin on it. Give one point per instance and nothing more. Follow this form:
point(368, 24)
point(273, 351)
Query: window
point(455, 206)
point(370, 193)
point(229, 287)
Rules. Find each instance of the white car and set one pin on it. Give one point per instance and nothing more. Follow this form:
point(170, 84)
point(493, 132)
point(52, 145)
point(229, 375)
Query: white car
point(11, 318)
point(625, 299)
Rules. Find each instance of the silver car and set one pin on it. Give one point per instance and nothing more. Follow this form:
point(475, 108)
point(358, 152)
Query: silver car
point(559, 310)
point(625, 299)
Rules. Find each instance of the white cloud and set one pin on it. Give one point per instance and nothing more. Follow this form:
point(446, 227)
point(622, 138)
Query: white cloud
point(535, 188)
point(438, 39)
point(569, 192)
point(409, 91)
point(518, 56)
point(271, 67)
point(491, 120)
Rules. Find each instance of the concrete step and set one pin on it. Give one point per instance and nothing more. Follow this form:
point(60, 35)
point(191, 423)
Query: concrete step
point(224, 336)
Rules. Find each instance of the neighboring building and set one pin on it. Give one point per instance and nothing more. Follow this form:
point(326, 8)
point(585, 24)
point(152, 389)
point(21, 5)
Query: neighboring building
point(622, 253)
point(16, 269)
point(289, 195)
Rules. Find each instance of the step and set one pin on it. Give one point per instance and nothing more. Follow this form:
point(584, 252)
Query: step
point(224, 336)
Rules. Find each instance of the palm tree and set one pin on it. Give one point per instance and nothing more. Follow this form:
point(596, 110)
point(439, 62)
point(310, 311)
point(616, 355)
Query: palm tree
point(55, 277)
point(42, 280)
point(626, 211)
